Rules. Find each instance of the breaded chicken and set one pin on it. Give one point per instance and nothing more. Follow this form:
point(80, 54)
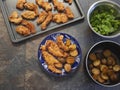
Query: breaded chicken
point(42, 17)
point(45, 5)
point(20, 4)
point(58, 5)
point(49, 59)
point(54, 69)
point(14, 17)
point(29, 25)
point(46, 21)
point(60, 18)
point(69, 13)
point(60, 43)
point(23, 30)
point(32, 6)
point(28, 14)
point(53, 48)
point(67, 67)
point(69, 1)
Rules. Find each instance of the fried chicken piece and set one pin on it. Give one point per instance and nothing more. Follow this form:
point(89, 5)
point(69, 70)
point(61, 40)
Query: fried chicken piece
point(58, 5)
point(60, 18)
point(32, 6)
point(15, 18)
point(69, 13)
point(53, 48)
point(54, 70)
point(45, 5)
point(29, 25)
point(42, 17)
point(58, 65)
point(69, 1)
point(28, 14)
point(20, 4)
point(23, 30)
point(49, 59)
point(46, 21)
point(60, 43)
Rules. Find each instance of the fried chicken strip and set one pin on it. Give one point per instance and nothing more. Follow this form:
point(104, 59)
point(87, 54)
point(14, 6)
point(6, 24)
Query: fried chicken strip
point(45, 5)
point(32, 6)
point(50, 59)
point(54, 70)
point(69, 13)
point(29, 25)
point(53, 48)
point(60, 18)
point(58, 5)
point(23, 30)
point(14, 18)
point(46, 21)
point(42, 17)
point(28, 14)
point(60, 43)
point(20, 4)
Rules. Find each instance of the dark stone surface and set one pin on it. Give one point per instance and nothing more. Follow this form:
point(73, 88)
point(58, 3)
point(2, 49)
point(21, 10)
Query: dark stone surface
point(20, 69)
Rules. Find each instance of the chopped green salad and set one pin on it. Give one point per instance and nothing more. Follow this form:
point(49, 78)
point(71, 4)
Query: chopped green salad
point(104, 21)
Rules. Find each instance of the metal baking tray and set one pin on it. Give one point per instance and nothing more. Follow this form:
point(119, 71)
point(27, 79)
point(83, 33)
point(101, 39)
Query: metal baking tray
point(8, 6)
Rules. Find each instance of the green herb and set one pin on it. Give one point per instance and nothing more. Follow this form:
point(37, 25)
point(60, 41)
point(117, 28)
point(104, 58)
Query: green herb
point(103, 20)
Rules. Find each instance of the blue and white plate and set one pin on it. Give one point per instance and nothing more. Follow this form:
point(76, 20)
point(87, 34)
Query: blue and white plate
point(53, 37)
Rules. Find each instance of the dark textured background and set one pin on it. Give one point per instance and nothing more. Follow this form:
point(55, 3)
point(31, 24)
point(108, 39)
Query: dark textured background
point(20, 69)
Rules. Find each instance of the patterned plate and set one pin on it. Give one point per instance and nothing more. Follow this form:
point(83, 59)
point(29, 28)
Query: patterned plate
point(53, 37)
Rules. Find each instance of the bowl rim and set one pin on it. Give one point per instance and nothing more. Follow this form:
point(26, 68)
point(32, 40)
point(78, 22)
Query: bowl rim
point(89, 12)
point(86, 62)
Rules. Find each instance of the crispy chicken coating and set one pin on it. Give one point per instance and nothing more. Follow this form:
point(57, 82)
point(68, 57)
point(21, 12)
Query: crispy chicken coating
point(69, 13)
point(54, 69)
point(23, 30)
point(50, 59)
point(45, 5)
point(15, 18)
point(54, 49)
point(28, 14)
point(46, 21)
point(42, 17)
point(58, 5)
point(69, 1)
point(32, 6)
point(60, 43)
point(67, 67)
point(29, 25)
point(60, 18)
point(20, 4)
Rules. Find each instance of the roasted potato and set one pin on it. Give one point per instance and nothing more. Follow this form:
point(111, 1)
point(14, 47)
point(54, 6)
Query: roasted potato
point(72, 47)
point(91, 66)
point(110, 61)
point(92, 56)
point(116, 68)
point(95, 71)
point(70, 60)
point(104, 61)
point(104, 76)
point(107, 53)
point(96, 63)
point(100, 79)
point(113, 77)
point(67, 67)
point(74, 53)
point(103, 68)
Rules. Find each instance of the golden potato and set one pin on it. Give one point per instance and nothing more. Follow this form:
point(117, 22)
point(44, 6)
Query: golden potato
point(113, 77)
point(107, 53)
point(67, 67)
point(74, 53)
point(70, 60)
point(116, 68)
point(104, 61)
point(95, 71)
point(92, 56)
point(96, 63)
point(104, 68)
point(100, 79)
point(110, 60)
point(104, 76)
point(72, 47)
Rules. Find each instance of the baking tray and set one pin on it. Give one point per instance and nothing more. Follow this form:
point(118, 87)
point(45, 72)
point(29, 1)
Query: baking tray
point(8, 6)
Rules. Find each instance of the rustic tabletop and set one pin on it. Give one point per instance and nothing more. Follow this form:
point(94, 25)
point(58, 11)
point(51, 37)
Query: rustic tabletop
point(19, 65)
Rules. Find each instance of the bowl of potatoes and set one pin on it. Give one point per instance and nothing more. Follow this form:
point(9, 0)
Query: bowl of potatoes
point(103, 63)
